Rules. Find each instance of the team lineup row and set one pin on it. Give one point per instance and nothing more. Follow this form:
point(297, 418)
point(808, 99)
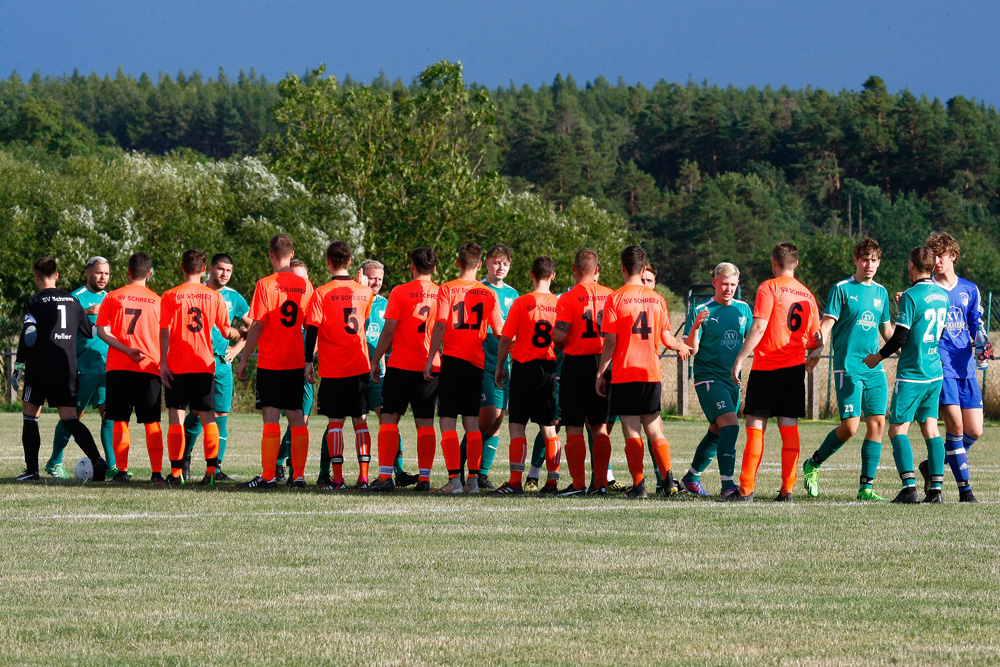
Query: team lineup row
point(477, 350)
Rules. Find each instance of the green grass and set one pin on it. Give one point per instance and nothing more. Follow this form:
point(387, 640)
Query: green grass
point(96, 574)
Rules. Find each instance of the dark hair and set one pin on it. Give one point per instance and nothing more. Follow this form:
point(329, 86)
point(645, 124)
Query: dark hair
point(470, 254)
point(193, 261)
point(586, 261)
point(222, 258)
point(139, 265)
point(867, 248)
point(44, 267)
point(499, 250)
point(339, 255)
point(943, 243)
point(922, 258)
point(785, 255)
point(633, 260)
point(280, 245)
point(543, 267)
point(649, 267)
point(424, 259)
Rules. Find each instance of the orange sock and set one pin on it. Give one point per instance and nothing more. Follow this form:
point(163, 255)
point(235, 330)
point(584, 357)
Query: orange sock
point(553, 456)
point(300, 450)
point(363, 446)
point(452, 450)
point(154, 446)
point(388, 445)
point(752, 454)
point(175, 449)
point(270, 443)
point(474, 451)
point(634, 454)
point(601, 459)
point(335, 446)
point(121, 440)
point(576, 459)
point(789, 457)
point(211, 447)
point(661, 453)
point(426, 449)
point(518, 453)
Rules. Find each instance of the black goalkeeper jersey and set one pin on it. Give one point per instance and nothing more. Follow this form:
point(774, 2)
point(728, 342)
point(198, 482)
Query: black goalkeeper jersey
point(52, 321)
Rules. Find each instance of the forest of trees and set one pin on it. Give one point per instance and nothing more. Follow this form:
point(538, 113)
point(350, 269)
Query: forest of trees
point(697, 173)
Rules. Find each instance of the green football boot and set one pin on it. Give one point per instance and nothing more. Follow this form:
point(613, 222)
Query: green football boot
point(810, 478)
point(869, 494)
point(57, 470)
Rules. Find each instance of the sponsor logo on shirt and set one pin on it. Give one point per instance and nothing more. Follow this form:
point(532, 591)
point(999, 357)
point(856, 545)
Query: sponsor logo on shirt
point(867, 321)
point(731, 339)
point(878, 303)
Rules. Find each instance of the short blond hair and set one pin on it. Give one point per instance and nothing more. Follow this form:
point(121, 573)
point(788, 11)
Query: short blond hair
point(726, 269)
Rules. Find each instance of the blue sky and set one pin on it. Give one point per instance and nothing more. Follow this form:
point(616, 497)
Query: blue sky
point(942, 49)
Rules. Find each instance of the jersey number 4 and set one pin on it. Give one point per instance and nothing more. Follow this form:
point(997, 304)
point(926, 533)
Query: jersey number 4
point(641, 325)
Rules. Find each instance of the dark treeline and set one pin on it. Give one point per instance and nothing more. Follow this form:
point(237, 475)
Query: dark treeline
point(702, 173)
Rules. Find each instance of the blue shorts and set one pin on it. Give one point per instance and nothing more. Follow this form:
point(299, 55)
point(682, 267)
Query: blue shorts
point(963, 392)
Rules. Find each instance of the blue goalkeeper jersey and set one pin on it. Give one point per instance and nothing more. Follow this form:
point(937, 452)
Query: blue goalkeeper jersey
point(965, 319)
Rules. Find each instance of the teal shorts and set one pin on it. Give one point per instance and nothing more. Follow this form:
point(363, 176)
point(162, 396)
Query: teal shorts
point(914, 401)
point(860, 396)
point(374, 395)
point(89, 390)
point(308, 396)
point(223, 401)
point(492, 394)
point(717, 397)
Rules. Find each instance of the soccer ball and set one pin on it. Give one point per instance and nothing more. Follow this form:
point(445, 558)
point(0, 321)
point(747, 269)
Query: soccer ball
point(84, 470)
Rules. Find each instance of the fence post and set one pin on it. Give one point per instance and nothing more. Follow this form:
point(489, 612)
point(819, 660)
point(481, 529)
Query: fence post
point(8, 374)
point(812, 395)
point(683, 406)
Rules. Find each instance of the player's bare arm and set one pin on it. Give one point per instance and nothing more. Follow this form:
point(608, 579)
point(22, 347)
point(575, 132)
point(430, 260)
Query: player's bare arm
point(692, 339)
point(749, 344)
point(165, 375)
point(104, 333)
point(503, 349)
point(672, 343)
point(610, 343)
point(384, 343)
point(825, 327)
point(253, 335)
point(437, 336)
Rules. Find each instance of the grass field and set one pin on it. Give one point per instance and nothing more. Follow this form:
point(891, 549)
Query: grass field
point(94, 574)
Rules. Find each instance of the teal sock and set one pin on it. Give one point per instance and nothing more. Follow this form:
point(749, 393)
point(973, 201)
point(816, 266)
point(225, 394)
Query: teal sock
point(727, 454)
point(490, 446)
point(59, 442)
point(902, 454)
point(831, 443)
point(656, 468)
point(223, 423)
point(285, 450)
point(703, 456)
point(108, 440)
point(397, 465)
point(935, 461)
point(871, 452)
point(192, 429)
point(538, 451)
point(324, 458)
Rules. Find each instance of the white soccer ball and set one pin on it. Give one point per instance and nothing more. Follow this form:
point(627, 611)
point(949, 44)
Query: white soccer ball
point(84, 470)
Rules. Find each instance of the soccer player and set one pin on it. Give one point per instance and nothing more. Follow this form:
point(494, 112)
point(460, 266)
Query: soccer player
point(323, 480)
point(467, 312)
point(961, 398)
point(856, 311)
point(636, 321)
point(47, 347)
point(527, 332)
point(188, 313)
point(91, 359)
point(411, 308)
point(219, 275)
point(785, 326)
point(335, 319)
point(715, 333)
point(278, 309)
point(579, 314)
point(922, 317)
point(129, 322)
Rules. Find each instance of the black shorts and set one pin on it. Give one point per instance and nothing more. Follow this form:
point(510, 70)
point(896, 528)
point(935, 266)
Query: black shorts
point(460, 388)
point(343, 397)
point(579, 402)
point(280, 389)
point(635, 398)
point(533, 392)
point(401, 388)
point(130, 390)
point(191, 390)
point(58, 392)
point(777, 393)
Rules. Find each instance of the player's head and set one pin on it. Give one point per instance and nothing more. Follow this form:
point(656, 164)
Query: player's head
point(98, 273)
point(423, 261)
point(543, 268)
point(338, 256)
point(649, 275)
point(633, 261)
point(498, 259)
point(586, 265)
point(280, 250)
point(299, 268)
point(470, 256)
point(946, 252)
point(45, 271)
point(139, 266)
point(725, 279)
point(867, 257)
point(374, 270)
point(221, 270)
point(784, 258)
point(193, 262)
point(921, 262)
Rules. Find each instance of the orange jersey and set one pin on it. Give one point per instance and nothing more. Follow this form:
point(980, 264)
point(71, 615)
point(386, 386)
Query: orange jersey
point(132, 313)
point(639, 319)
point(413, 306)
point(582, 308)
point(529, 324)
point(280, 302)
point(467, 307)
point(792, 317)
point(339, 310)
point(189, 312)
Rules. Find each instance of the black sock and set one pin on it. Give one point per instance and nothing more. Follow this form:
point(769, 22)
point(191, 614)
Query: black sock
point(31, 441)
point(83, 437)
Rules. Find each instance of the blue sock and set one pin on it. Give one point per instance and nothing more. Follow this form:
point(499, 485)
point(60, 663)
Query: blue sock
point(969, 441)
point(957, 459)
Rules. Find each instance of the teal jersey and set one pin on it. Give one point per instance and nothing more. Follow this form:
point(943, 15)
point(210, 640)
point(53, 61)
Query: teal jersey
point(923, 309)
point(375, 322)
point(91, 353)
point(237, 308)
point(505, 297)
point(720, 337)
point(858, 311)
